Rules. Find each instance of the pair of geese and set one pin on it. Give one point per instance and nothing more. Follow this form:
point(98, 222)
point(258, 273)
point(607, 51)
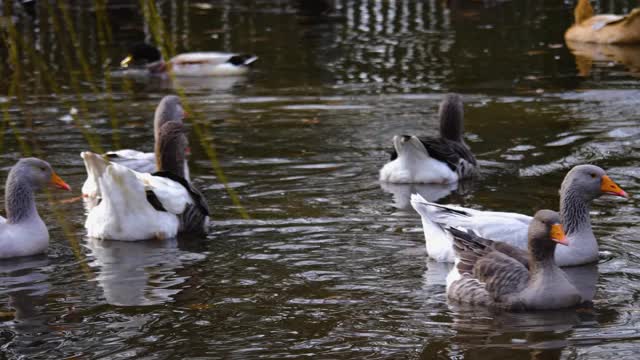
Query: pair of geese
point(502, 260)
point(135, 195)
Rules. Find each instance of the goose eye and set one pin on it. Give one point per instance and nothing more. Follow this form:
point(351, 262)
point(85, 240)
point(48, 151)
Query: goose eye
point(593, 175)
point(43, 169)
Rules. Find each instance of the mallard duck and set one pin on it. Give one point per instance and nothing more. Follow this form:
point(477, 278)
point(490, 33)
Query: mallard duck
point(23, 233)
point(189, 64)
point(437, 160)
point(580, 186)
point(169, 109)
point(139, 206)
point(605, 28)
point(498, 275)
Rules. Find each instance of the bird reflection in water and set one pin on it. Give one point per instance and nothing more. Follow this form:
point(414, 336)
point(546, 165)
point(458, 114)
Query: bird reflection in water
point(139, 272)
point(590, 55)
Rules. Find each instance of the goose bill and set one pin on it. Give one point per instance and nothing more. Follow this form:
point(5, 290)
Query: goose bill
point(59, 183)
point(557, 234)
point(609, 187)
point(125, 62)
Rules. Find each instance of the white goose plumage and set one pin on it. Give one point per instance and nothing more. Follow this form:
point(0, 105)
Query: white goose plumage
point(139, 206)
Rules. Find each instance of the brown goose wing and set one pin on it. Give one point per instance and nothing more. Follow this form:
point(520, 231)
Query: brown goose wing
point(469, 243)
point(501, 269)
point(502, 275)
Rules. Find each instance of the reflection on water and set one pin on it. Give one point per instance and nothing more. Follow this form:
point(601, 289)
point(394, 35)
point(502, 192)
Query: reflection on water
point(587, 55)
point(431, 192)
point(331, 264)
point(139, 272)
point(585, 279)
point(192, 84)
point(24, 286)
point(27, 275)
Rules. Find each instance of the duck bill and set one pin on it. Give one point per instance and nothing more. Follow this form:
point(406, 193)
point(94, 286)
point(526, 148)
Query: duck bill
point(126, 61)
point(558, 235)
point(607, 186)
point(59, 183)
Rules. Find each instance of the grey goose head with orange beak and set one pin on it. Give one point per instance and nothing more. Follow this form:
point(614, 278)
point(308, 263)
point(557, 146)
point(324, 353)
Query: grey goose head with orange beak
point(581, 185)
point(26, 177)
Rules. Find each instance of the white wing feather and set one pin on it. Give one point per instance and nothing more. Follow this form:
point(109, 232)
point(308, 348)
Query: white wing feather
point(172, 195)
point(144, 162)
point(507, 227)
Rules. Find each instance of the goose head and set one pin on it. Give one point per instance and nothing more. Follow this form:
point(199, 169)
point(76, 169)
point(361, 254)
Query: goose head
point(171, 148)
point(589, 182)
point(169, 109)
point(545, 231)
point(141, 53)
point(36, 174)
point(26, 177)
point(451, 114)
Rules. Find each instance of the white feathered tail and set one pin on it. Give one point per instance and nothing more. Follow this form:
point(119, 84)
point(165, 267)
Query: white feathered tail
point(439, 242)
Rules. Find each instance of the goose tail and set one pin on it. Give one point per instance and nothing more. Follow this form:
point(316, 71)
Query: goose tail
point(96, 166)
point(438, 240)
point(632, 18)
point(468, 248)
point(242, 59)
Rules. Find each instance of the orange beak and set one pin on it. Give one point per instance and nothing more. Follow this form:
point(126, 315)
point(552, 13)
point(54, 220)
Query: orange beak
point(59, 183)
point(557, 234)
point(609, 187)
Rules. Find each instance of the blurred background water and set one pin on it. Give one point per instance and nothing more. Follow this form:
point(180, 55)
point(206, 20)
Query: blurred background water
point(327, 263)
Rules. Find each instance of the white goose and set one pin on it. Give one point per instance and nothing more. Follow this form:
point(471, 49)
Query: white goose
point(23, 233)
point(437, 160)
point(169, 109)
point(580, 186)
point(189, 64)
point(139, 206)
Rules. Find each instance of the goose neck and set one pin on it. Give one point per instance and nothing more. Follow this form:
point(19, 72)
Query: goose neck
point(574, 212)
point(539, 264)
point(451, 127)
point(19, 201)
point(168, 158)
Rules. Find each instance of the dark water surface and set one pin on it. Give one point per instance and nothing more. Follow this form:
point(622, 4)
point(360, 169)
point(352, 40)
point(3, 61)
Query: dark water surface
point(330, 263)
